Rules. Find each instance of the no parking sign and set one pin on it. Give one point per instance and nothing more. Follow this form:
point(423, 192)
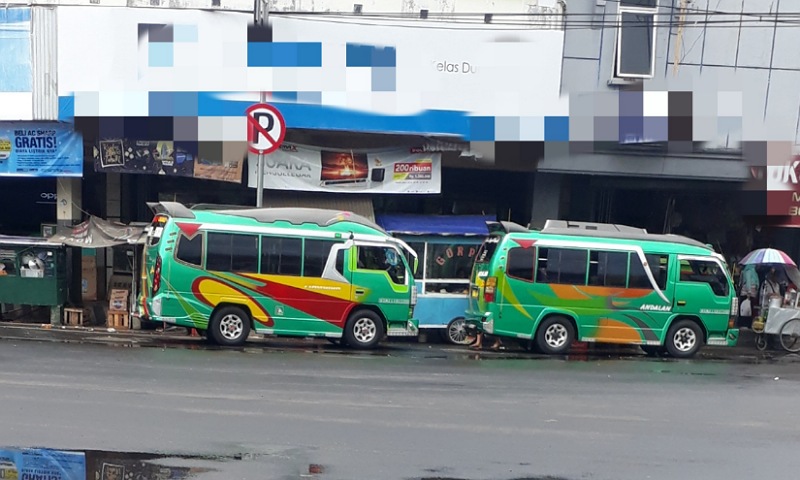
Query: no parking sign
point(266, 128)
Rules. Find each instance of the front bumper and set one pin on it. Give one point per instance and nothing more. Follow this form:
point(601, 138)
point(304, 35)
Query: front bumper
point(481, 324)
point(407, 329)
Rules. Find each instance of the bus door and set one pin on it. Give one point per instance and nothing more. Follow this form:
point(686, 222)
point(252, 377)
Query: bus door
point(379, 277)
point(703, 290)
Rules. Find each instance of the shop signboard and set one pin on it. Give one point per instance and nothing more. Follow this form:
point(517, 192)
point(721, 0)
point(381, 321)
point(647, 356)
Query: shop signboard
point(482, 82)
point(315, 169)
point(37, 149)
point(206, 160)
point(31, 463)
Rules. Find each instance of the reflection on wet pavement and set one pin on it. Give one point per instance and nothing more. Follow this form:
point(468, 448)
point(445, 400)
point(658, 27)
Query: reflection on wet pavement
point(50, 464)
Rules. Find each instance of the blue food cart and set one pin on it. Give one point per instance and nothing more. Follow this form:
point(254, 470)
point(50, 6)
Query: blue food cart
point(446, 245)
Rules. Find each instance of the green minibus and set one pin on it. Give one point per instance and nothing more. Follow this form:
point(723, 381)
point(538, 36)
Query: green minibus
point(277, 271)
point(593, 282)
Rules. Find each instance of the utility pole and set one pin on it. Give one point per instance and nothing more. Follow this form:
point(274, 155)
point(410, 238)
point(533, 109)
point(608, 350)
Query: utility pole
point(261, 19)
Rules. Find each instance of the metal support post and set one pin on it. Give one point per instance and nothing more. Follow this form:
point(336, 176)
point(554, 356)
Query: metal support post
point(261, 18)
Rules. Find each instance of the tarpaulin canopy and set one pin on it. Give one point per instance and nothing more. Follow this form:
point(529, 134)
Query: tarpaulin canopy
point(435, 224)
point(98, 233)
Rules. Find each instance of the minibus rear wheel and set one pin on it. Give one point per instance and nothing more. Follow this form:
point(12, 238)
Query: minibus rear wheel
point(229, 326)
point(555, 335)
point(364, 329)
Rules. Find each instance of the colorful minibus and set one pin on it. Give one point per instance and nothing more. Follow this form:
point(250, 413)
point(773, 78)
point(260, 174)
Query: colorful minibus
point(592, 282)
point(277, 271)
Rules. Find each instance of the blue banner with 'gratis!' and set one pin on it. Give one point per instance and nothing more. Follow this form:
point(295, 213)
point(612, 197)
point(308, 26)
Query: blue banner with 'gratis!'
point(35, 149)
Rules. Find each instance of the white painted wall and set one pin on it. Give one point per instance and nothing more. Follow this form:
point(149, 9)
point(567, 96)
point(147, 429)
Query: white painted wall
point(338, 6)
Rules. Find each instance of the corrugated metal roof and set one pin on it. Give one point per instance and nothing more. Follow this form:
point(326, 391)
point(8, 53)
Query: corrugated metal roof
point(361, 205)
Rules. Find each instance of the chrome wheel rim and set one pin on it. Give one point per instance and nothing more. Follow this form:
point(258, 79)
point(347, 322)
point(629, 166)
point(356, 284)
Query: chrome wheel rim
point(231, 327)
point(456, 332)
point(556, 335)
point(364, 330)
point(684, 339)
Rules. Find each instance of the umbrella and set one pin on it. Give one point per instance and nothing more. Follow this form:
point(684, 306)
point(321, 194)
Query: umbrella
point(767, 256)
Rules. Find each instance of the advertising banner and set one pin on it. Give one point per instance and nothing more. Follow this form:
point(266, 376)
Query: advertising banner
point(166, 157)
point(31, 463)
point(315, 169)
point(29, 149)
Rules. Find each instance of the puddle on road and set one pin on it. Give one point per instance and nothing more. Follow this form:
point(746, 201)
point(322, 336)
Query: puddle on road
point(49, 464)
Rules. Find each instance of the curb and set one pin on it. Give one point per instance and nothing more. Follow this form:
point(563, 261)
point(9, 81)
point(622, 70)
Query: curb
point(746, 346)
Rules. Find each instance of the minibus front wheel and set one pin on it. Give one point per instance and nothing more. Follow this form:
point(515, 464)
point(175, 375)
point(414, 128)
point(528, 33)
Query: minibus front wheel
point(364, 329)
point(684, 339)
point(229, 326)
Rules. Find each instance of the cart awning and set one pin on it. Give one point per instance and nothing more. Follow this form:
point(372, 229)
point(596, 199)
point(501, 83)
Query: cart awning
point(435, 224)
point(98, 233)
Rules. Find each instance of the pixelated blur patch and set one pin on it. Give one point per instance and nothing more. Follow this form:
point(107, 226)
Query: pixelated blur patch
point(481, 129)
point(384, 79)
point(359, 55)
point(258, 33)
point(185, 33)
point(160, 54)
point(284, 54)
point(556, 129)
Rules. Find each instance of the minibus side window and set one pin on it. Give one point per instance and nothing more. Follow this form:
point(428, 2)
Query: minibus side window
point(562, 266)
point(190, 250)
point(608, 269)
point(658, 267)
point(281, 256)
point(316, 256)
point(232, 253)
point(520, 264)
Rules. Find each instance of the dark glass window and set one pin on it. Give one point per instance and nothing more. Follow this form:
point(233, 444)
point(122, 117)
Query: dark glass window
point(608, 269)
point(281, 256)
point(232, 253)
point(658, 265)
point(562, 266)
point(635, 42)
point(418, 247)
point(705, 271)
point(244, 257)
point(520, 263)
point(384, 259)
point(486, 251)
point(639, 3)
point(450, 260)
point(316, 256)
point(340, 261)
point(190, 250)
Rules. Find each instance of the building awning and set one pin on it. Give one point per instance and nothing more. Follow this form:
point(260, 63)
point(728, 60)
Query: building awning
point(361, 205)
point(435, 224)
point(13, 241)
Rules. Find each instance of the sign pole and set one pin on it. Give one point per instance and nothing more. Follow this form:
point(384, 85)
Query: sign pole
point(261, 18)
point(260, 170)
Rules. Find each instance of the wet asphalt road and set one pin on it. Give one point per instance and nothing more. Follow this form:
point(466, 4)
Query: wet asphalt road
point(406, 413)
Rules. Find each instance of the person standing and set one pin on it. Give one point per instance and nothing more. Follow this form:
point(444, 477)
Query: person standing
point(769, 288)
point(748, 291)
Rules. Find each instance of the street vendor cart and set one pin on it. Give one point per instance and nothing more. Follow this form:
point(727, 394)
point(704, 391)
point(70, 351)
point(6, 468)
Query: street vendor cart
point(779, 318)
point(782, 322)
